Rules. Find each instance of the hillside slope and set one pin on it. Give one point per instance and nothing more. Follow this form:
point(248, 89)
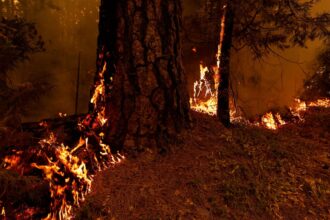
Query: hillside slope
point(215, 173)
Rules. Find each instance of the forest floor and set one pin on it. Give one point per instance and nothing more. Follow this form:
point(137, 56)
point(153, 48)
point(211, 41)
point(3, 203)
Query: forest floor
point(216, 173)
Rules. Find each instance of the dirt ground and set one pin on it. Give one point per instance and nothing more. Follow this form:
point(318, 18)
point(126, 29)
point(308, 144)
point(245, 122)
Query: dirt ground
point(215, 173)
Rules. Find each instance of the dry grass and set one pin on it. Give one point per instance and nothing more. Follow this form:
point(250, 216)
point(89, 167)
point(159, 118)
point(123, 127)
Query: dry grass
point(215, 173)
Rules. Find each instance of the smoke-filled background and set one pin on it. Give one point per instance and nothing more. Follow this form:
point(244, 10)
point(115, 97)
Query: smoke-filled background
point(276, 80)
point(69, 27)
point(258, 85)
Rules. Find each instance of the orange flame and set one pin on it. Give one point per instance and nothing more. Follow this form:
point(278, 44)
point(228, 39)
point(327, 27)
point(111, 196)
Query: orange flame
point(68, 177)
point(325, 103)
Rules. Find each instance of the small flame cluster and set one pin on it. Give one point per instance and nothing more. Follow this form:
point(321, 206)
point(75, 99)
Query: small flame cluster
point(205, 91)
point(269, 121)
point(68, 170)
point(274, 121)
point(208, 104)
point(2, 212)
point(205, 97)
point(205, 101)
point(67, 176)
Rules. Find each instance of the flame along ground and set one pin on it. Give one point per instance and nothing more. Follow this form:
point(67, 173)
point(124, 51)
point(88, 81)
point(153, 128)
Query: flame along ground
point(68, 175)
point(269, 120)
point(208, 103)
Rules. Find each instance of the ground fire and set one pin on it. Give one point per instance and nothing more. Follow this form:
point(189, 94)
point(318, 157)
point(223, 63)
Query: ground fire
point(196, 109)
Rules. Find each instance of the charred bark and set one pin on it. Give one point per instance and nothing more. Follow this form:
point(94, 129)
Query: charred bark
point(223, 111)
point(147, 102)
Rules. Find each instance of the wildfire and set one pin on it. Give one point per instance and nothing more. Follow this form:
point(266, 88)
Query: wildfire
point(99, 90)
point(13, 161)
point(271, 121)
point(67, 173)
point(205, 91)
point(3, 212)
point(325, 103)
point(205, 101)
point(206, 88)
point(67, 176)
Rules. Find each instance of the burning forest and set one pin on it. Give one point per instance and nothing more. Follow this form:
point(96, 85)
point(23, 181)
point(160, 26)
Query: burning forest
point(201, 109)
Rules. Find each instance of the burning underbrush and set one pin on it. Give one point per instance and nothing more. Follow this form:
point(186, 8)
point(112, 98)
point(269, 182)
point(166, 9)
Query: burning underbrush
point(206, 96)
point(57, 167)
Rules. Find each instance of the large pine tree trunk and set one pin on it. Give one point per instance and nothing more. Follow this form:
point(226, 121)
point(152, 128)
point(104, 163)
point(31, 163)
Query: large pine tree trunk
point(147, 100)
point(223, 89)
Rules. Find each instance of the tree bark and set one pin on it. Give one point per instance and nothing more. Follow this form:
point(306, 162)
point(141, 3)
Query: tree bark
point(147, 101)
point(223, 110)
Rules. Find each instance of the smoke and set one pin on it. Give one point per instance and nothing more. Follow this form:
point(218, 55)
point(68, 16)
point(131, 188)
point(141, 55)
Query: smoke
point(191, 6)
point(68, 28)
point(261, 85)
point(274, 81)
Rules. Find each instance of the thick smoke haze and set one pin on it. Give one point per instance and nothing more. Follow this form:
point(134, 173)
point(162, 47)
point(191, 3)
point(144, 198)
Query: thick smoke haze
point(276, 80)
point(271, 82)
point(70, 26)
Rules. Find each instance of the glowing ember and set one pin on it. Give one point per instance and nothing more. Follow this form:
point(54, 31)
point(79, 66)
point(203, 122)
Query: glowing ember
point(279, 119)
point(268, 121)
point(325, 103)
point(298, 107)
point(12, 161)
point(208, 107)
point(3, 212)
point(62, 115)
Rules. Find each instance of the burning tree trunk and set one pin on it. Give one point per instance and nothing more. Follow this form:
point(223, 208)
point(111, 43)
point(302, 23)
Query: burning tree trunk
point(223, 110)
point(140, 43)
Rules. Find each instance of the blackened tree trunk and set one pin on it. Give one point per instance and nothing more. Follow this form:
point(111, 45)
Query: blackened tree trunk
point(223, 110)
point(147, 101)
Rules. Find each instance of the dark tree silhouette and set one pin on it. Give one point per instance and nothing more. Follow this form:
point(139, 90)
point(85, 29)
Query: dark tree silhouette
point(262, 26)
point(18, 40)
point(318, 85)
point(140, 42)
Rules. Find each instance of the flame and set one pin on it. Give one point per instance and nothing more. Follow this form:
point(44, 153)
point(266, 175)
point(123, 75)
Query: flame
point(13, 160)
point(200, 103)
point(208, 103)
point(62, 115)
point(222, 34)
point(68, 176)
point(279, 119)
point(325, 103)
point(209, 106)
point(64, 166)
point(99, 90)
point(268, 121)
point(3, 212)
